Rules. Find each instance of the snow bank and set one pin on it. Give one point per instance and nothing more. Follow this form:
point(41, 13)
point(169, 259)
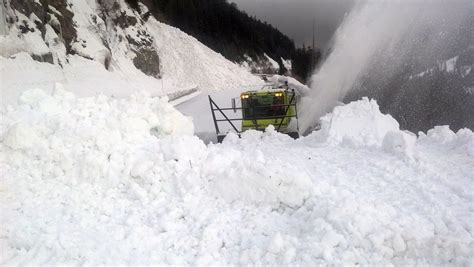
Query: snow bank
point(358, 123)
point(43, 122)
point(444, 137)
point(97, 165)
point(243, 173)
point(90, 181)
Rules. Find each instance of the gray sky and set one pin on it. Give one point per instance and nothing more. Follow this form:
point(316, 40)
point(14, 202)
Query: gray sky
point(295, 17)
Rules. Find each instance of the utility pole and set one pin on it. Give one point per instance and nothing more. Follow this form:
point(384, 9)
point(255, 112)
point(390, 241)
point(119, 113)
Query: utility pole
point(313, 59)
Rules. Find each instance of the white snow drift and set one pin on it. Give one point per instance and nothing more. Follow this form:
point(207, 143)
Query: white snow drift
point(104, 181)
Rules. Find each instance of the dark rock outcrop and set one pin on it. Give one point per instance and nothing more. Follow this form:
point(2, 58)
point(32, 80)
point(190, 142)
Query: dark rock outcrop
point(147, 61)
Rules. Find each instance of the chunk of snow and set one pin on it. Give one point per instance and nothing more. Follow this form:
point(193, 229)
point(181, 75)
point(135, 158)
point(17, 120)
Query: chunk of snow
point(331, 238)
point(359, 123)
point(398, 243)
point(276, 244)
point(401, 143)
point(20, 136)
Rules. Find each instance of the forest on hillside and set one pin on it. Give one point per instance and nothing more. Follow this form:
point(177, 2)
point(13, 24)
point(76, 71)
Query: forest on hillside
point(233, 33)
point(439, 95)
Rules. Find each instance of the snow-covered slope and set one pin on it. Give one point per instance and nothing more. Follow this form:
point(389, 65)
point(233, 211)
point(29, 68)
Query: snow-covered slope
point(190, 62)
point(109, 49)
point(98, 180)
point(265, 65)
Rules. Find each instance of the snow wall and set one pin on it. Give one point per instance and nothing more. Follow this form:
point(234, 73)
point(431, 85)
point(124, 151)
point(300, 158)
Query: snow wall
point(104, 181)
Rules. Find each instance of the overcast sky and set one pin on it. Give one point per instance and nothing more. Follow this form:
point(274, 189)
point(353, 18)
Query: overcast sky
point(295, 17)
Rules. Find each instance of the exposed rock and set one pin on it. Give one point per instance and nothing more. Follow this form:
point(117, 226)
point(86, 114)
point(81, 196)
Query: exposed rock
point(48, 57)
point(66, 29)
point(27, 7)
point(147, 61)
point(142, 38)
point(125, 21)
point(42, 10)
point(24, 28)
point(59, 15)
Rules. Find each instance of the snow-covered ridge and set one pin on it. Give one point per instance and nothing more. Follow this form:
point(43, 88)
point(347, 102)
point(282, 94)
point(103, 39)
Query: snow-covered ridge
point(111, 39)
point(98, 180)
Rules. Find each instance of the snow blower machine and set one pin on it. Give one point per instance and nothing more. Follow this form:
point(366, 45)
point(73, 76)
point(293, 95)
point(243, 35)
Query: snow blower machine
point(270, 105)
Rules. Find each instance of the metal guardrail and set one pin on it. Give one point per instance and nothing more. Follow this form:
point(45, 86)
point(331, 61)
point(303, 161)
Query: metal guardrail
point(181, 93)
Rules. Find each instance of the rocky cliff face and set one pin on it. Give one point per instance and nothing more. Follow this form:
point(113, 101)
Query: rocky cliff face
point(49, 30)
point(105, 46)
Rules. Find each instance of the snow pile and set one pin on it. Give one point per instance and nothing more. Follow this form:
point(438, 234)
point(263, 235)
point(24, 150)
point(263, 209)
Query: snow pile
point(442, 136)
point(85, 132)
point(358, 123)
point(99, 166)
point(361, 124)
point(244, 173)
point(89, 181)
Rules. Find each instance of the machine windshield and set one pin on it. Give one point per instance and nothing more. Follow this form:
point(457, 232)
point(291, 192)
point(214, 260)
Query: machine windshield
point(260, 107)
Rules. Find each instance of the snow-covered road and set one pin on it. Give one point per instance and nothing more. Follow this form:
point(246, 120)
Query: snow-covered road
point(106, 181)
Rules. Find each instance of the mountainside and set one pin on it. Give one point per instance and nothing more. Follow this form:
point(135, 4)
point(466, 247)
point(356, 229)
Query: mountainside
point(440, 94)
point(85, 42)
point(427, 79)
point(224, 28)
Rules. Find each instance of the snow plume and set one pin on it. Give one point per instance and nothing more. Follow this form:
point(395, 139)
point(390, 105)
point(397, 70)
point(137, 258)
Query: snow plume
point(381, 39)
